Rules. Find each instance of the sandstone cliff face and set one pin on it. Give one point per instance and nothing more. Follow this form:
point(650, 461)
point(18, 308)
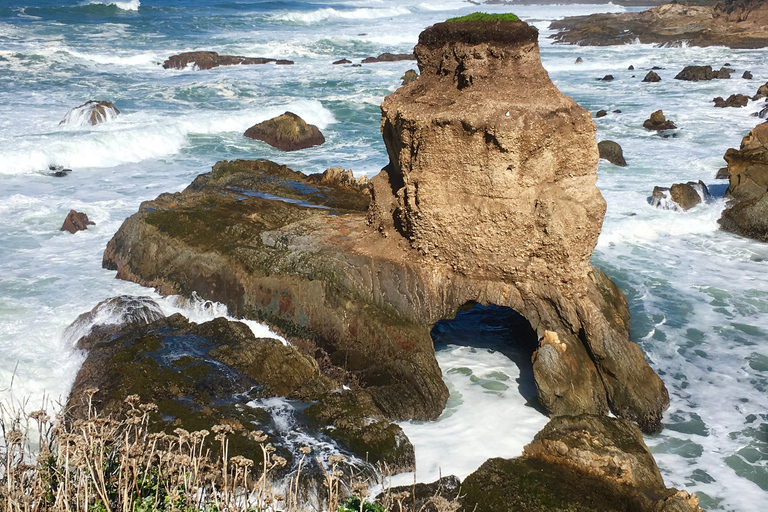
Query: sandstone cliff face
point(734, 23)
point(489, 197)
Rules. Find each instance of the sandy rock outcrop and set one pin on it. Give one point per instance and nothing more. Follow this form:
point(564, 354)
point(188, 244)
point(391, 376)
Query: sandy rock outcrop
point(732, 23)
point(210, 60)
point(389, 57)
point(658, 122)
point(652, 76)
point(734, 100)
point(288, 132)
point(586, 463)
point(747, 212)
point(91, 113)
point(680, 196)
point(489, 197)
point(76, 221)
point(697, 73)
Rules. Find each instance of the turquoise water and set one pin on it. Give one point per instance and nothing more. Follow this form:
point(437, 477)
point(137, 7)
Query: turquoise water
point(698, 296)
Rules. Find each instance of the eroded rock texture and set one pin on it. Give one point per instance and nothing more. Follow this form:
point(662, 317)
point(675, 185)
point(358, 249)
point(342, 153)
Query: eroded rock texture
point(489, 197)
point(747, 213)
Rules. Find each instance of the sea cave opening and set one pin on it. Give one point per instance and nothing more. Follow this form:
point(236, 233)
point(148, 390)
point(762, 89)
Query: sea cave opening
point(494, 330)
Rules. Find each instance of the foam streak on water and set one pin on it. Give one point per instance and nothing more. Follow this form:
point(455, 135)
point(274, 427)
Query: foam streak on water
point(698, 296)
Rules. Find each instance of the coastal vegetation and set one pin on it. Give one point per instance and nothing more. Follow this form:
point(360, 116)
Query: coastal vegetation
point(483, 16)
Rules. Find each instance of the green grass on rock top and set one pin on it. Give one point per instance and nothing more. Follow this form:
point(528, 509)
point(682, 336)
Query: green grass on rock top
point(483, 16)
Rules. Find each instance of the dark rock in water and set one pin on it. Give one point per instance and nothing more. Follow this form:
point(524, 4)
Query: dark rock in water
point(58, 171)
point(579, 60)
point(113, 313)
point(601, 113)
point(631, 67)
point(658, 122)
point(288, 132)
point(357, 65)
point(326, 263)
point(611, 151)
point(209, 60)
point(200, 375)
point(652, 77)
point(617, 111)
point(607, 78)
point(284, 62)
point(410, 76)
point(722, 174)
point(680, 196)
point(576, 463)
point(747, 218)
point(76, 221)
point(656, 68)
point(422, 497)
point(697, 73)
point(747, 75)
point(389, 57)
point(91, 113)
point(763, 112)
point(734, 100)
point(343, 61)
point(762, 92)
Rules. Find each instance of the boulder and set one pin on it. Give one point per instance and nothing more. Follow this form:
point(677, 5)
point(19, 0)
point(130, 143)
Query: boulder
point(410, 76)
point(697, 73)
point(722, 174)
point(579, 60)
point(209, 60)
point(631, 67)
point(747, 75)
point(607, 78)
point(201, 375)
point(284, 62)
point(473, 207)
point(581, 463)
point(58, 171)
point(601, 113)
point(734, 100)
point(731, 23)
point(76, 221)
point(745, 214)
point(288, 132)
point(762, 92)
point(763, 113)
point(652, 77)
point(389, 57)
point(422, 497)
point(611, 151)
point(658, 122)
point(91, 113)
point(680, 196)
point(342, 61)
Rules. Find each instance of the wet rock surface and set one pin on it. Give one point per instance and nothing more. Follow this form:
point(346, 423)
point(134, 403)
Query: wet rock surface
point(389, 57)
point(611, 151)
point(576, 463)
point(652, 76)
point(210, 60)
point(680, 196)
point(732, 23)
point(747, 211)
point(356, 275)
point(91, 113)
point(218, 372)
point(288, 132)
point(697, 73)
point(76, 221)
point(734, 100)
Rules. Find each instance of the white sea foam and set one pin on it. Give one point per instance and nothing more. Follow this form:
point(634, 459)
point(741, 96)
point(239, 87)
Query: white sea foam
point(329, 13)
point(128, 5)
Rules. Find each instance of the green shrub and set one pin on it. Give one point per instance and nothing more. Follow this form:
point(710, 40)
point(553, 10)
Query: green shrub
point(483, 16)
point(352, 504)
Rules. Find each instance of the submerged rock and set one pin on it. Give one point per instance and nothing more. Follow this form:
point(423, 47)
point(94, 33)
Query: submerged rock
point(734, 100)
point(76, 221)
point(611, 151)
point(658, 122)
point(732, 23)
point(474, 207)
point(288, 132)
point(91, 113)
point(652, 77)
point(607, 78)
point(210, 60)
point(747, 75)
point(342, 61)
point(601, 113)
point(697, 73)
point(579, 60)
point(585, 463)
point(746, 214)
point(389, 57)
point(680, 196)
point(58, 171)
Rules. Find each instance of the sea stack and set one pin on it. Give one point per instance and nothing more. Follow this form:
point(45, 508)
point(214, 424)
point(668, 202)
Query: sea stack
point(489, 197)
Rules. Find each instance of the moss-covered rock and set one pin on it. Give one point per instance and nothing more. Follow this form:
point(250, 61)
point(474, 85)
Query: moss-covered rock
point(288, 132)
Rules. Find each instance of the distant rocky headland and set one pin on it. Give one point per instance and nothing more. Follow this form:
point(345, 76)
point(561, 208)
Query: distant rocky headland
point(733, 23)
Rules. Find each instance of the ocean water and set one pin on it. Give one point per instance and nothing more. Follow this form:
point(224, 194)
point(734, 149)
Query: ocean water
point(698, 296)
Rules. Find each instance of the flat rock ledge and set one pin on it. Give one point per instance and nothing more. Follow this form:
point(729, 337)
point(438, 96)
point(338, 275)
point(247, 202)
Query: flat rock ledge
point(732, 23)
point(210, 60)
point(489, 197)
